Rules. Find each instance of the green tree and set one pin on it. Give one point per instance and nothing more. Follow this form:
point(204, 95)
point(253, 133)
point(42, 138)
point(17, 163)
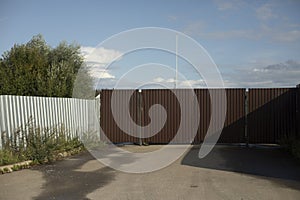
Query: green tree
point(36, 69)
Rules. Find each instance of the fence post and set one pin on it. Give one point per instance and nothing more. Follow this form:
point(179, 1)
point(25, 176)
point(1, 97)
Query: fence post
point(246, 117)
point(1, 127)
point(297, 112)
point(140, 115)
point(98, 111)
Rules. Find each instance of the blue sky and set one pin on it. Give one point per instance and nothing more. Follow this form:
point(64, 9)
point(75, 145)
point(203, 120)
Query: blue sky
point(253, 43)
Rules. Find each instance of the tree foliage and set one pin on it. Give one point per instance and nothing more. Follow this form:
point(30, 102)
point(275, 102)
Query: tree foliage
point(36, 69)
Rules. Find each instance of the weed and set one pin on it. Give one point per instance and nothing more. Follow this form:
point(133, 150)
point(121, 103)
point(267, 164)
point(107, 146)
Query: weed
point(7, 157)
point(16, 167)
point(37, 144)
point(293, 146)
point(6, 169)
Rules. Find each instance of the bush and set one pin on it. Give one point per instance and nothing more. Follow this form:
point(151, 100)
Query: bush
point(295, 149)
point(39, 145)
point(7, 157)
point(293, 146)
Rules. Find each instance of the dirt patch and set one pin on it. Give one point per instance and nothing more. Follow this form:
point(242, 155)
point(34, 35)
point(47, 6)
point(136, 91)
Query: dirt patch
point(141, 149)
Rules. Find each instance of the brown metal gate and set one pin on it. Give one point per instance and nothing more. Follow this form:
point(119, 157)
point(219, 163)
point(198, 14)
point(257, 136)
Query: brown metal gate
point(107, 122)
point(271, 115)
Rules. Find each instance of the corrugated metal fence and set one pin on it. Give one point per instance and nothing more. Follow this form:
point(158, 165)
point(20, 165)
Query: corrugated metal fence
point(271, 115)
point(76, 116)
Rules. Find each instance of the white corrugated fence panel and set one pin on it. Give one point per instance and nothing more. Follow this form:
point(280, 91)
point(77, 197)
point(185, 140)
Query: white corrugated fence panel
point(77, 116)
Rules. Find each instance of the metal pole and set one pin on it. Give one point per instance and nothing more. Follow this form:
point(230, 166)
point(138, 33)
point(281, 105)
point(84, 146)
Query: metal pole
point(246, 118)
point(297, 135)
point(98, 112)
point(140, 116)
point(176, 76)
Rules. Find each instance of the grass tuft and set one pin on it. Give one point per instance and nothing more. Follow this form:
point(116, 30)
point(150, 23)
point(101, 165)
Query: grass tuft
point(36, 144)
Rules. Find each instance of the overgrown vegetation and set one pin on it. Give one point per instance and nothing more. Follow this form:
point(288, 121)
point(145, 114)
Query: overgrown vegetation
point(293, 146)
point(37, 69)
point(38, 145)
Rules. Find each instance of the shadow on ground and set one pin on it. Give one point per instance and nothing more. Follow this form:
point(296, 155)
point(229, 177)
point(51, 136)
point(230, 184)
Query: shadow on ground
point(255, 160)
point(67, 180)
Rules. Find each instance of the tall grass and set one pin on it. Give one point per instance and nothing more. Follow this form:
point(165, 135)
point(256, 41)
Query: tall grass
point(37, 144)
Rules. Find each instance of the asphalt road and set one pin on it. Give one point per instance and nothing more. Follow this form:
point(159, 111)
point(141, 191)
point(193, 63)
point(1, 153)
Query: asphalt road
point(228, 172)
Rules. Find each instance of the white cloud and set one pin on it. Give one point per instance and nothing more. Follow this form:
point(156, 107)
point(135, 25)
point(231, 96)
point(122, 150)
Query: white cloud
point(265, 12)
point(249, 34)
point(282, 33)
point(195, 28)
point(97, 58)
point(3, 19)
point(201, 30)
point(287, 36)
point(100, 73)
point(224, 5)
point(273, 75)
point(192, 83)
point(267, 29)
point(101, 56)
point(158, 80)
point(293, 25)
point(172, 18)
point(170, 82)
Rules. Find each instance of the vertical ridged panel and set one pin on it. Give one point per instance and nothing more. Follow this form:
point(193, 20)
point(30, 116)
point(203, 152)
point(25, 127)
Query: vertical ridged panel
point(272, 114)
point(71, 114)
